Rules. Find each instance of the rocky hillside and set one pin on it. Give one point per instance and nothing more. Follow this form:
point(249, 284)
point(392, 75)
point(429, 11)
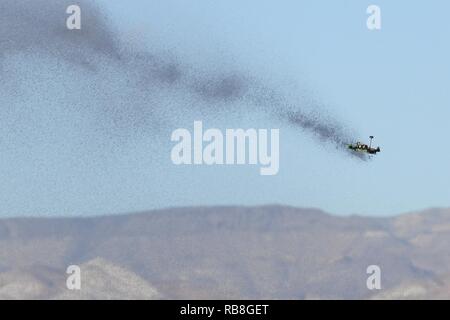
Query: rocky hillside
point(226, 252)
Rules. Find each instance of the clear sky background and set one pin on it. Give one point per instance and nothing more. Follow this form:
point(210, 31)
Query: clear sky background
point(393, 84)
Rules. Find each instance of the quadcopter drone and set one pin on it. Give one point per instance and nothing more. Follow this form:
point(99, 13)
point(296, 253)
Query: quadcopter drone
point(361, 147)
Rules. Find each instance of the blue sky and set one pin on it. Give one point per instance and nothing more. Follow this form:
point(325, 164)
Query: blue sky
point(391, 83)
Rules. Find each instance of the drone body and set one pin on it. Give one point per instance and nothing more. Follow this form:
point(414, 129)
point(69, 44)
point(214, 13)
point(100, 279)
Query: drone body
point(361, 147)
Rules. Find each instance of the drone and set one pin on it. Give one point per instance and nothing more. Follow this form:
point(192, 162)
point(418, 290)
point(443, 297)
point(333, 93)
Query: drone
point(361, 147)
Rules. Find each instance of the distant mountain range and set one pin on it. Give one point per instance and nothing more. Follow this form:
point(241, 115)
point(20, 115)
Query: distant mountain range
point(267, 252)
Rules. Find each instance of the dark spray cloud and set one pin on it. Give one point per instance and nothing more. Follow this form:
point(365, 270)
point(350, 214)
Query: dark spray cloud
point(39, 26)
point(223, 88)
point(325, 130)
point(133, 100)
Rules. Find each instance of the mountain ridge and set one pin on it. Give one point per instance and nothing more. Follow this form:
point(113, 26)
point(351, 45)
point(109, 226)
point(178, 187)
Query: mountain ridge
point(270, 251)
